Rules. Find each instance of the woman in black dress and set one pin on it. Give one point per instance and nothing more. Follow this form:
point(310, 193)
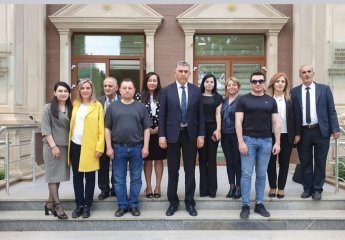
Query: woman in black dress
point(150, 97)
point(212, 102)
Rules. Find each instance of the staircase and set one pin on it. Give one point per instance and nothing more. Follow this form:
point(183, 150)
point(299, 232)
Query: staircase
point(217, 214)
point(22, 210)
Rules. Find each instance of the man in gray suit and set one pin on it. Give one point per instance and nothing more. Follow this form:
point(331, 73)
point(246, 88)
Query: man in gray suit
point(110, 87)
point(315, 121)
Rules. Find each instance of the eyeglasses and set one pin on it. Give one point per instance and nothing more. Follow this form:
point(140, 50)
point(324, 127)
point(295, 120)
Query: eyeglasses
point(260, 81)
point(304, 72)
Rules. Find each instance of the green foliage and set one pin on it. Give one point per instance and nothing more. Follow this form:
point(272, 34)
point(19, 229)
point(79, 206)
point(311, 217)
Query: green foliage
point(341, 169)
point(2, 174)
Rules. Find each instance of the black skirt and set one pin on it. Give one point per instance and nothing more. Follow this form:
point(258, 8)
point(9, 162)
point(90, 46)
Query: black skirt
point(155, 151)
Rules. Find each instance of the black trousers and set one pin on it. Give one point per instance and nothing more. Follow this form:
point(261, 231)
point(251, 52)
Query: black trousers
point(208, 163)
point(284, 161)
point(173, 159)
point(312, 151)
point(103, 173)
point(233, 158)
point(83, 193)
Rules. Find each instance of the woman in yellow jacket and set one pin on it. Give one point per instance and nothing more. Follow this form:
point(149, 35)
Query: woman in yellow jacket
point(86, 145)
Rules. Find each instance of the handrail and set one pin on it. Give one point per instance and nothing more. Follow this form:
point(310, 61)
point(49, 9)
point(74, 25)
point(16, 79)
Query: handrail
point(336, 167)
point(7, 143)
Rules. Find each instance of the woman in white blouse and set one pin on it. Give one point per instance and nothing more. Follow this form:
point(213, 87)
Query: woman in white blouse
point(279, 89)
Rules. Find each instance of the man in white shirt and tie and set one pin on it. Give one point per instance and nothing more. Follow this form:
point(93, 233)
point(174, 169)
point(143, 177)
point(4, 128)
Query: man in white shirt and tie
point(315, 121)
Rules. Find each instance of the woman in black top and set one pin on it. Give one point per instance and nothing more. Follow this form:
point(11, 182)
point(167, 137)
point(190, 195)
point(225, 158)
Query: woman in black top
point(208, 153)
point(150, 97)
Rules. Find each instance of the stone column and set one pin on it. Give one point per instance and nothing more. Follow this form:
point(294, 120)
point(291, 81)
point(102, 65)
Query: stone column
point(272, 53)
point(188, 53)
point(65, 55)
point(150, 50)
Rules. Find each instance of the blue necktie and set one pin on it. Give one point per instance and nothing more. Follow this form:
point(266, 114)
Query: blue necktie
point(307, 106)
point(184, 106)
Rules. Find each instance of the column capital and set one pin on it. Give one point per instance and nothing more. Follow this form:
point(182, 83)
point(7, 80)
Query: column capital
point(149, 32)
point(272, 32)
point(65, 31)
point(189, 32)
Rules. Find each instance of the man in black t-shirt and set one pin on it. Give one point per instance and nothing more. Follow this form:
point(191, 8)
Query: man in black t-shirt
point(256, 115)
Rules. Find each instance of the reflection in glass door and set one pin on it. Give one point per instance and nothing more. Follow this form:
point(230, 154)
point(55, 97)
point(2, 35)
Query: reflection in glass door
point(217, 69)
point(225, 69)
point(121, 69)
point(94, 71)
point(242, 72)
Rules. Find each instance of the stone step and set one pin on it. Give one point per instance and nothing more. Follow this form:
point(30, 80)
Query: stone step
point(157, 220)
point(181, 235)
point(219, 203)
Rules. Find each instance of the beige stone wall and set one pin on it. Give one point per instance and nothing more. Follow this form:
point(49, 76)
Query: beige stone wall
point(169, 41)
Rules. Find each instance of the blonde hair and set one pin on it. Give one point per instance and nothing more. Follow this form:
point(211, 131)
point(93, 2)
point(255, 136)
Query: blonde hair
point(270, 88)
point(235, 80)
point(80, 83)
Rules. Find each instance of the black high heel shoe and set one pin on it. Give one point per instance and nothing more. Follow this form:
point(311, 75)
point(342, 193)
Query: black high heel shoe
point(61, 216)
point(238, 193)
point(47, 210)
point(231, 192)
point(148, 195)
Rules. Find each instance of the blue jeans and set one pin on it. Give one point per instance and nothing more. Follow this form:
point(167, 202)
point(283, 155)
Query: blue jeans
point(124, 155)
point(259, 152)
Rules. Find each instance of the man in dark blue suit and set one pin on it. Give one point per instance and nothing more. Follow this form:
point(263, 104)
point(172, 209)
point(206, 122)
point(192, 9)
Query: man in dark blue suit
point(181, 125)
point(315, 121)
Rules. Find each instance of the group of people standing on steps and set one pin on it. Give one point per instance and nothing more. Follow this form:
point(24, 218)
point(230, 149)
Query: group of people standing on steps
point(137, 131)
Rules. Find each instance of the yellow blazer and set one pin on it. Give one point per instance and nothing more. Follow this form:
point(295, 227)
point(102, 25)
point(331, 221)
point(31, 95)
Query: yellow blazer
point(93, 136)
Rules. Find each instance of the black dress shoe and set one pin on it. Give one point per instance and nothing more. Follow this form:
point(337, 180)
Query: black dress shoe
point(213, 195)
point(135, 211)
point(305, 194)
point(112, 192)
point(191, 210)
point(171, 210)
point(120, 212)
point(316, 196)
point(86, 212)
point(77, 212)
point(103, 195)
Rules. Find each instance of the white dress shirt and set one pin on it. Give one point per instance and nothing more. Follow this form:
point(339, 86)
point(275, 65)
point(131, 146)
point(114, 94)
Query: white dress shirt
point(313, 114)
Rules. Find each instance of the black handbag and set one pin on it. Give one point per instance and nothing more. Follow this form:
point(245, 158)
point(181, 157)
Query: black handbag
point(297, 175)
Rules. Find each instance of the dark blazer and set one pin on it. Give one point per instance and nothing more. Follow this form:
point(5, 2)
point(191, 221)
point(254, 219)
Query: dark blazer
point(290, 124)
point(102, 99)
point(325, 109)
point(170, 113)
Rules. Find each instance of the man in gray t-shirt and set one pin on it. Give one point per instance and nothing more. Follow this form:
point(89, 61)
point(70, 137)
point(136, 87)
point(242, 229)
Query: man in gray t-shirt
point(127, 135)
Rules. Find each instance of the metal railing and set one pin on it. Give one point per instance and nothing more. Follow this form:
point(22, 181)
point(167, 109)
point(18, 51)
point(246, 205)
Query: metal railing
point(337, 143)
point(6, 144)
